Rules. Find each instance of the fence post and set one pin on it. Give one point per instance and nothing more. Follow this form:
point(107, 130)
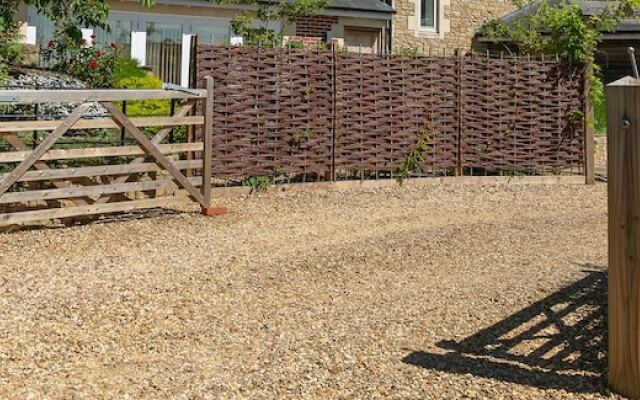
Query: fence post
point(623, 127)
point(460, 60)
point(589, 128)
point(334, 109)
point(207, 153)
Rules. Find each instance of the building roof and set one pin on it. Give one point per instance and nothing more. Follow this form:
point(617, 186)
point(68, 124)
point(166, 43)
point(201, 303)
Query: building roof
point(377, 6)
point(588, 8)
point(362, 5)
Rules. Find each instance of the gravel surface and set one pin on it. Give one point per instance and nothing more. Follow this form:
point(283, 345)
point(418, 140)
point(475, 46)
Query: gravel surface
point(475, 291)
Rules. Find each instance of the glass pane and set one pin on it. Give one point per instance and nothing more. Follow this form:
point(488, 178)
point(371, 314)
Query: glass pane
point(164, 50)
point(213, 32)
point(120, 34)
point(427, 14)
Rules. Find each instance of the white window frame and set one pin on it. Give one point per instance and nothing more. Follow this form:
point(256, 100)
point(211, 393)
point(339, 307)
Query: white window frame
point(436, 17)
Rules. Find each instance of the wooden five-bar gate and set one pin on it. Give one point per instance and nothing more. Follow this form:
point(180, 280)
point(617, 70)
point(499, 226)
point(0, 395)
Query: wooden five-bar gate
point(43, 183)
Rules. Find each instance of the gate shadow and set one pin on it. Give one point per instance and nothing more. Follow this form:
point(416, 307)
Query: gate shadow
point(558, 342)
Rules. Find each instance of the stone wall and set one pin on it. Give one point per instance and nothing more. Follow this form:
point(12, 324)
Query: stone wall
point(458, 22)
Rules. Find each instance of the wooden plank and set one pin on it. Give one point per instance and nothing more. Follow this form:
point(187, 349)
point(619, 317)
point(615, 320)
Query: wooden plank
point(18, 144)
point(91, 191)
point(157, 139)
point(589, 132)
point(623, 130)
point(98, 123)
point(96, 95)
point(94, 209)
point(18, 156)
point(42, 148)
point(153, 150)
point(207, 154)
point(102, 170)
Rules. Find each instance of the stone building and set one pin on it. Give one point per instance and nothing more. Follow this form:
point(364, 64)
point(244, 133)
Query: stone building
point(439, 24)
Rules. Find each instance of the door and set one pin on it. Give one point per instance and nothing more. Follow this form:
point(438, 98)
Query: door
point(362, 40)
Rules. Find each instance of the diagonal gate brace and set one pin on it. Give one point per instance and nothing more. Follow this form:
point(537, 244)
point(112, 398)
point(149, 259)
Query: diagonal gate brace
point(42, 148)
point(152, 150)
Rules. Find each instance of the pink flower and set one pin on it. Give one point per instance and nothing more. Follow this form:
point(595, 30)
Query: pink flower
point(93, 64)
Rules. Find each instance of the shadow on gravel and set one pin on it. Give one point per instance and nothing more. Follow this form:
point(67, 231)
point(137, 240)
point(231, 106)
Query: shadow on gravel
point(556, 343)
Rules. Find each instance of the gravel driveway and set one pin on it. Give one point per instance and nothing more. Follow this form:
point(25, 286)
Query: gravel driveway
point(474, 291)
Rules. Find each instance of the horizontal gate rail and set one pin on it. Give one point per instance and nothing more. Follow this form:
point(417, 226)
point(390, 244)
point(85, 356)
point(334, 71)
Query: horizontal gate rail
point(45, 183)
point(96, 95)
point(18, 156)
point(98, 123)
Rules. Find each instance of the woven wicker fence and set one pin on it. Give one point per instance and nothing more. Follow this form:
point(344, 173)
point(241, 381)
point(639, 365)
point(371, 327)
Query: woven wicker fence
point(327, 113)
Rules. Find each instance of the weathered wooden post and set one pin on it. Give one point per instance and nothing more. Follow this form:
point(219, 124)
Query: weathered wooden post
point(623, 113)
point(589, 130)
point(207, 139)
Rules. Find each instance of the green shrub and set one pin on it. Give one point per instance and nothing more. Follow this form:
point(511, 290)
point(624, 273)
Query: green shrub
point(600, 117)
point(11, 52)
point(93, 64)
point(126, 68)
point(128, 75)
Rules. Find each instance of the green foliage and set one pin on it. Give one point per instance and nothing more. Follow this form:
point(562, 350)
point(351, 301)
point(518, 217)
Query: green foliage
point(127, 68)
point(562, 29)
point(94, 64)
point(10, 49)
point(68, 16)
point(295, 44)
point(297, 136)
point(409, 52)
point(600, 118)
point(128, 75)
point(258, 184)
point(254, 24)
point(413, 160)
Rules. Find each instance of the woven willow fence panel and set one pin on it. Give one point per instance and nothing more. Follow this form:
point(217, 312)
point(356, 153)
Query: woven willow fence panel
point(272, 110)
point(303, 112)
point(521, 115)
point(385, 104)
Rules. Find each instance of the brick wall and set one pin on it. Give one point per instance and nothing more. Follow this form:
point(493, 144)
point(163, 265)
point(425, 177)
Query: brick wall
point(457, 26)
point(315, 26)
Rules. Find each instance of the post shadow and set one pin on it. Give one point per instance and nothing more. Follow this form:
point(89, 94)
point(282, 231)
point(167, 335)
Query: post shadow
point(558, 342)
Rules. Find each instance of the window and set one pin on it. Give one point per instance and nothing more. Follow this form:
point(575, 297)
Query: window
point(164, 49)
point(429, 14)
point(212, 32)
point(120, 33)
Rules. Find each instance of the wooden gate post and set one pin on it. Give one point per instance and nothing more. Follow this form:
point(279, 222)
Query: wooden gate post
point(623, 114)
point(207, 154)
point(589, 130)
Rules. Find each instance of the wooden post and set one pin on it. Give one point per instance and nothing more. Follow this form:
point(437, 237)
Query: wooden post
point(458, 170)
point(589, 131)
point(623, 114)
point(207, 154)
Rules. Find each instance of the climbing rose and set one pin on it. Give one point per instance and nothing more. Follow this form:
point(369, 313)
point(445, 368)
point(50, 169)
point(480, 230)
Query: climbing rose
point(50, 43)
point(93, 64)
point(98, 54)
